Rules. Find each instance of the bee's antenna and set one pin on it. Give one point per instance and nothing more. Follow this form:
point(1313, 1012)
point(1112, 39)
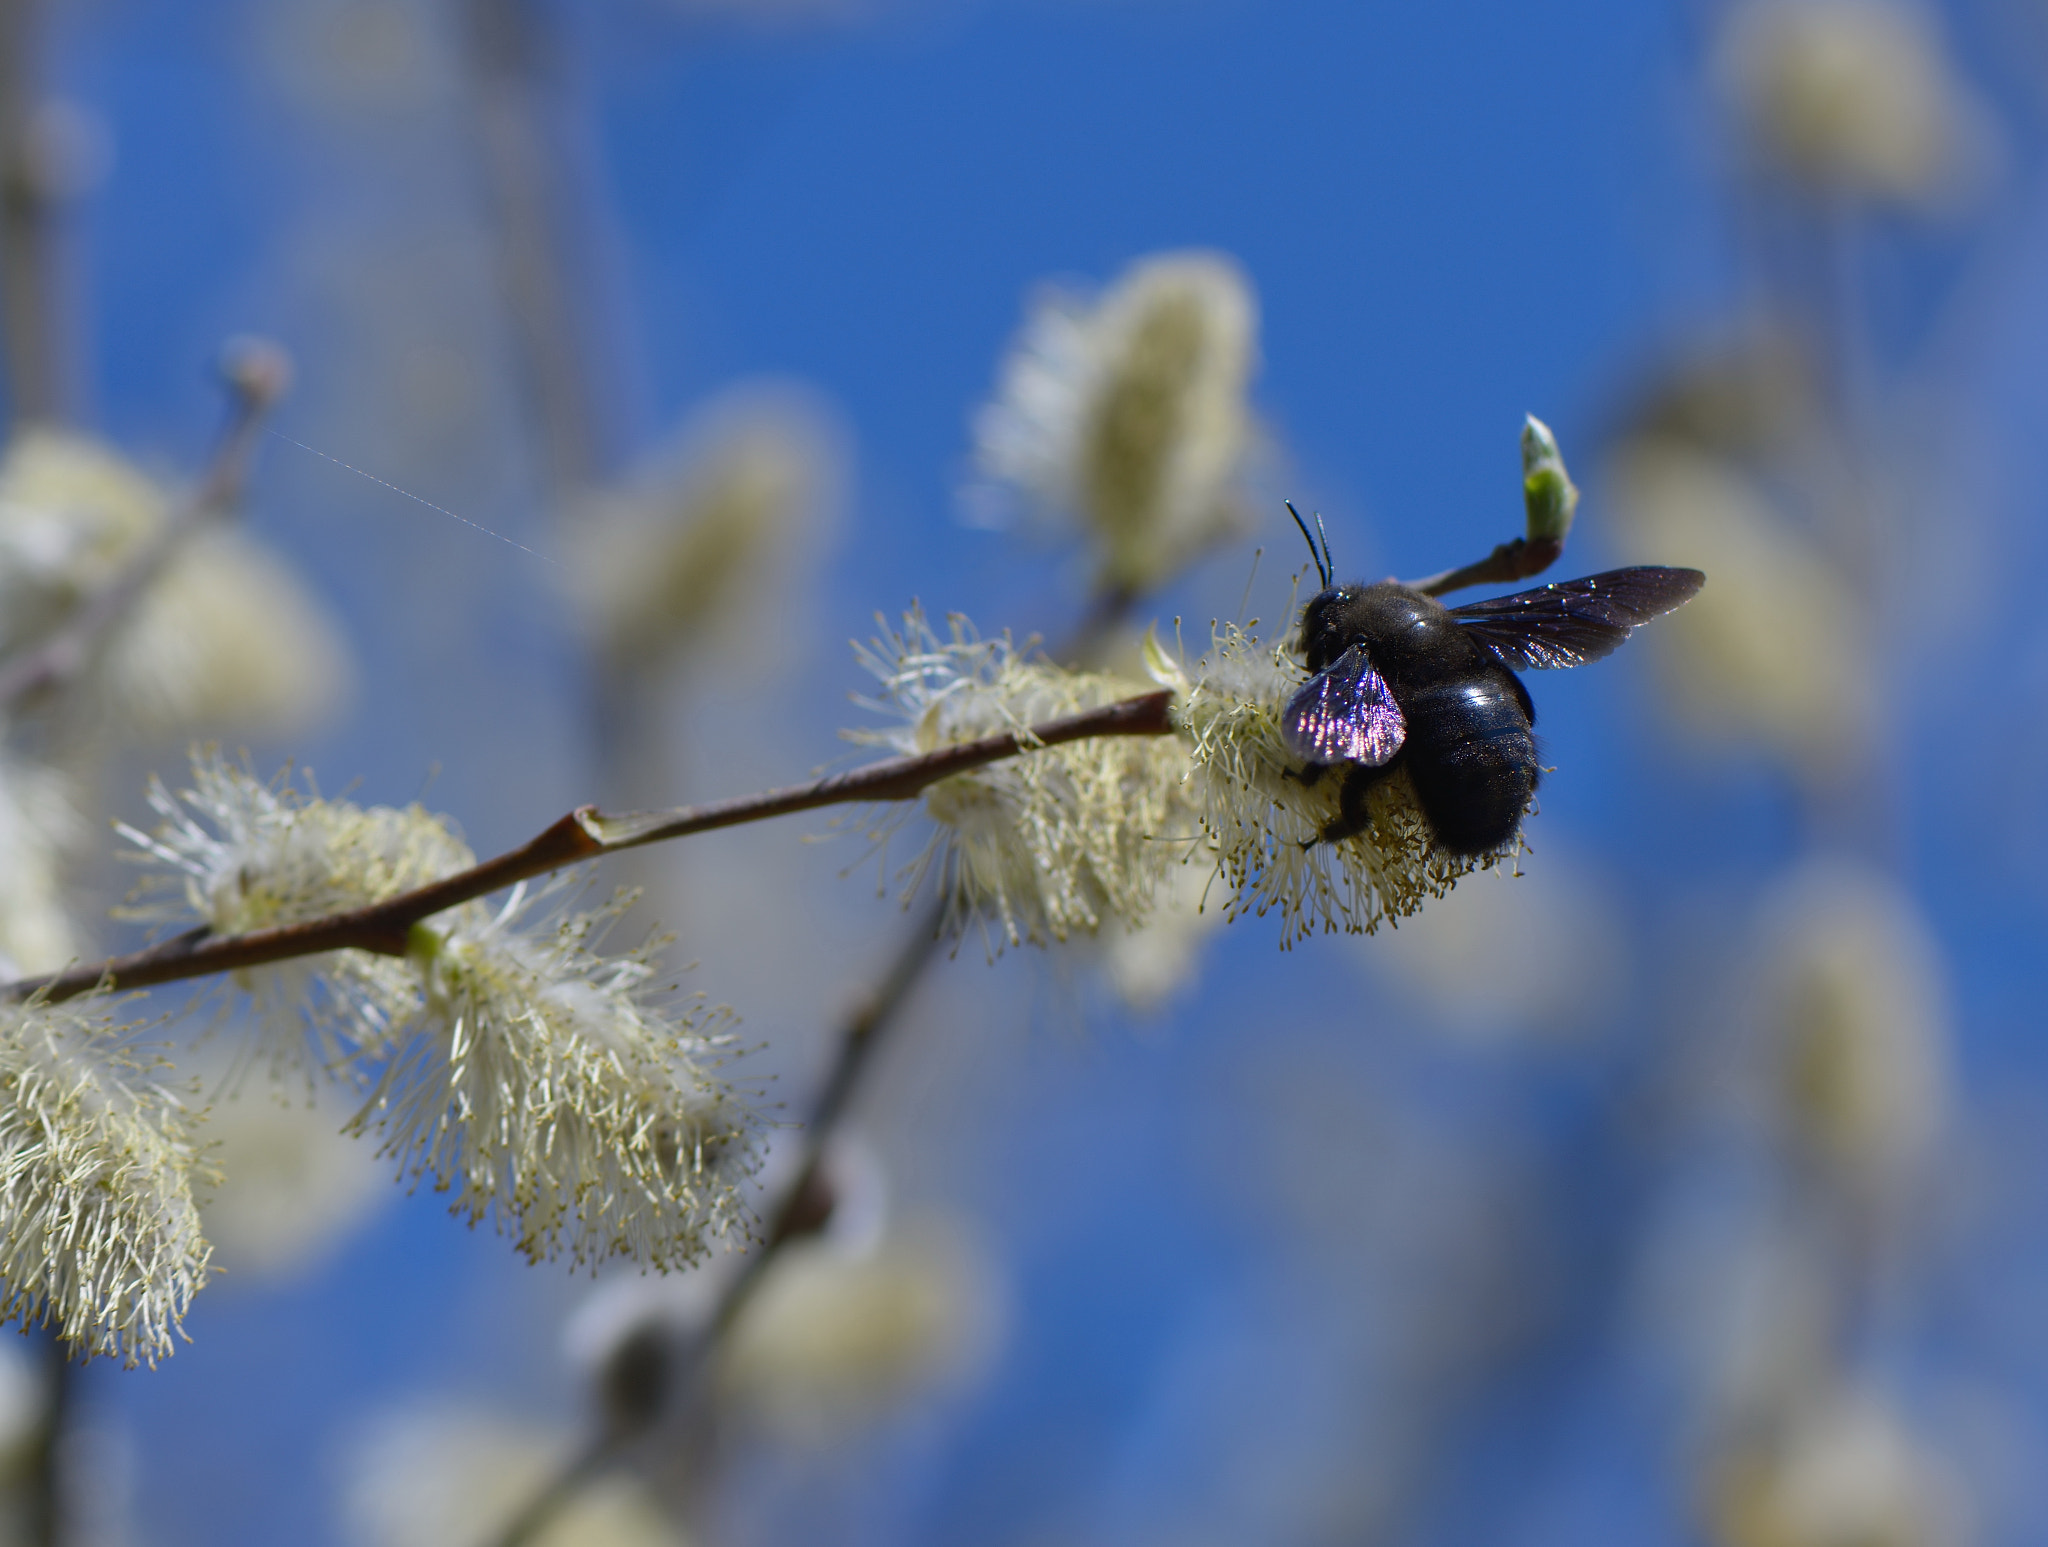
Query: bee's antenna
point(1329, 564)
point(1321, 559)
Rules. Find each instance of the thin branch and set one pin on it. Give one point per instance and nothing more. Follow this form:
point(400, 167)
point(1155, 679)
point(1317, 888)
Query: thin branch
point(802, 1211)
point(509, 51)
point(805, 1205)
point(581, 1469)
point(1518, 560)
point(585, 833)
point(798, 1213)
point(1549, 499)
point(257, 375)
point(46, 1524)
point(1098, 626)
point(29, 315)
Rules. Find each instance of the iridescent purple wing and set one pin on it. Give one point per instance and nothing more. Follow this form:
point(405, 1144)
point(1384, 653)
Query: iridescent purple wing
point(1345, 713)
point(1575, 621)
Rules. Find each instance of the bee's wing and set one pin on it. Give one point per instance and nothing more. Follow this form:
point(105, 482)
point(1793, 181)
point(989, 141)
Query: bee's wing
point(1575, 621)
point(1345, 713)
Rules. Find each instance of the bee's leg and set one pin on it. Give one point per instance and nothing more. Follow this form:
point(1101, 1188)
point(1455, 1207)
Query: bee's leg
point(1352, 816)
point(1308, 774)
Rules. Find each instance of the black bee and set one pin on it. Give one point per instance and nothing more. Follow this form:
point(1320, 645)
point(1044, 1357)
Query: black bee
point(1401, 680)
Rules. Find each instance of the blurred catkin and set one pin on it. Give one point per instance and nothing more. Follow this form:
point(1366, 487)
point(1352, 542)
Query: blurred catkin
point(1126, 417)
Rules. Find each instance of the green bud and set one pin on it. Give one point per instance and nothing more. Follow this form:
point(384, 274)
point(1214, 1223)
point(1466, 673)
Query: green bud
point(423, 945)
point(1547, 489)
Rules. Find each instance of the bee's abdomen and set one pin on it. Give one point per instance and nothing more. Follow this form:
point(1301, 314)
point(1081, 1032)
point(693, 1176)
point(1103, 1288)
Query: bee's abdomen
point(1473, 759)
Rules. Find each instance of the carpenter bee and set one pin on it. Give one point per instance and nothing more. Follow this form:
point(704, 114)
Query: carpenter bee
point(1398, 679)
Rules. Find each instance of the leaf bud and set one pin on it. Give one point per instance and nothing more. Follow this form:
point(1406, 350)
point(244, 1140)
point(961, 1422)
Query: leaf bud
point(1547, 489)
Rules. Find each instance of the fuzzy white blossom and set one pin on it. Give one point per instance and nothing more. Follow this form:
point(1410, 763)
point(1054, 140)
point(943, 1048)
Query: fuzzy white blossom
point(1771, 651)
point(1147, 965)
point(840, 1334)
point(1128, 415)
point(292, 1185)
point(1061, 840)
point(37, 823)
point(1842, 1471)
point(433, 1477)
point(226, 637)
point(565, 1095)
point(1047, 844)
point(682, 551)
point(97, 1167)
point(1262, 824)
point(236, 853)
point(1854, 1013)
point(570, 1097)
point(71, 513)
point(1850, 96)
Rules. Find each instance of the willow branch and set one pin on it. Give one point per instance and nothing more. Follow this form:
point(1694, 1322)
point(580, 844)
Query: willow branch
point(539, 1512)
point(509, 49)
point(257, 376)
point(1549, 501)
point(585, 833)
point(805, 1204)
point(28, 271)
point(803, 1209)
point(46, 1521)
point(1517, 560)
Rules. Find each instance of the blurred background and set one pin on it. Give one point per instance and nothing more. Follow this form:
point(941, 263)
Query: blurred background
point(1685, 1189)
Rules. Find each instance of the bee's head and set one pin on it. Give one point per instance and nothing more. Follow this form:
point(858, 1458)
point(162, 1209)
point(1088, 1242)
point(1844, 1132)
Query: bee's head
point(1396, 624)
point(1328, 625)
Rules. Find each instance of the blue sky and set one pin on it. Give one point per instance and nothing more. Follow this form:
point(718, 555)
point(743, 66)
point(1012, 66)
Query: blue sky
point(1453, 215)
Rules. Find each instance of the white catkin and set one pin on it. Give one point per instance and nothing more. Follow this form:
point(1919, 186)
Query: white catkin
point(226, 638)
point(97, 1167)
point(72, 513)
point(234, 852)
point(1044, 845)
point(37, 824)
point(563, 1094)
point(676, 560)
point(430, 1476)
point(567, 1096)
point(1127, 414)
point(1856, 97)
point(1262, 824)
point(1059, 841)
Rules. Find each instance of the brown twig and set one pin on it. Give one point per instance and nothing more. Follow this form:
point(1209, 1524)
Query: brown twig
point(509, 49)
point(584, 833)
point(801, 1211)
point(805, 1204)
point(796, 1214)
point(46, 1525)
point(1517, 560)
point(582, 1468)
point(29, 318)
point(257, 375)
